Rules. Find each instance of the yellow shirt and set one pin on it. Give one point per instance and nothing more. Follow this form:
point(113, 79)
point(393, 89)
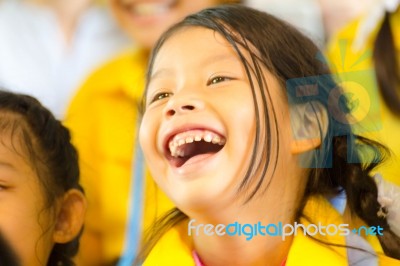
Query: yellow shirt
point(175, 247)
point(355, 66)
point(103, 119)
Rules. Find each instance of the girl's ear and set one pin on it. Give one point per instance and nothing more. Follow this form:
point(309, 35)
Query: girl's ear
point(70, 217)
point(309, 122)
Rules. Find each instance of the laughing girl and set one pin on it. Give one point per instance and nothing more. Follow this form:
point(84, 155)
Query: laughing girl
point(243, 124)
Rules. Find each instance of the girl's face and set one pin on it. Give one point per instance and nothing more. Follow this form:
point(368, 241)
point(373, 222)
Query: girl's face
point(199, 126)
point(146, 20)
point(23, 220)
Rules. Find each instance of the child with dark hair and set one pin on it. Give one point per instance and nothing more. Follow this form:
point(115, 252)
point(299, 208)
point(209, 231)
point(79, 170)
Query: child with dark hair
point(42, 205)
point(246, 130)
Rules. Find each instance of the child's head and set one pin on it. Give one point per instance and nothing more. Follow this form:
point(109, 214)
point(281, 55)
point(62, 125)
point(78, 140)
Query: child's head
point(41, 202)
point(226, 69)
point(237, 103)
point(145, 21)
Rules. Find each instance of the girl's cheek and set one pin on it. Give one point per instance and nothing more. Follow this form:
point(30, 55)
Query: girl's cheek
point(150, 123)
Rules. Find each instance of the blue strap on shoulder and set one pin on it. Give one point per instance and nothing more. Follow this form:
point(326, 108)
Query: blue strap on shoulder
point(363, 254)
point(339, 202)
point(135, 211)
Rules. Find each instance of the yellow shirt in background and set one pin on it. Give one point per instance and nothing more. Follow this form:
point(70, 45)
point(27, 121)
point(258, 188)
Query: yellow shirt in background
point(103, 119)
point(350, 63)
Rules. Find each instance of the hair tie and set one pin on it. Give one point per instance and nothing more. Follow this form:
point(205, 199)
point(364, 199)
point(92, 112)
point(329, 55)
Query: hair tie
point(389, 199)
point(372, 17)
point(382, 212)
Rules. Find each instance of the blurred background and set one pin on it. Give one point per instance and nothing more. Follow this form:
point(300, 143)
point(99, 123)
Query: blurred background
point(48, 47)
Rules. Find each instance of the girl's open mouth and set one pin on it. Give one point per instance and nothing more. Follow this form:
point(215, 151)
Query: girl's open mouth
point(193, 145)
point(149, 8)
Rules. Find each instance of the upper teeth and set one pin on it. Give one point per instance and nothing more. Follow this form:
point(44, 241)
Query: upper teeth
point(150, 9)
point(190, 136)
point(146, 9)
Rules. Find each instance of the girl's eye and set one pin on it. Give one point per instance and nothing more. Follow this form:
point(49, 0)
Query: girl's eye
point(160, 96)
point(216, 80)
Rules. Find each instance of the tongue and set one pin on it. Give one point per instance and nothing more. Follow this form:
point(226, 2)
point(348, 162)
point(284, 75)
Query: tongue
point(196, 158)
point(196, 151)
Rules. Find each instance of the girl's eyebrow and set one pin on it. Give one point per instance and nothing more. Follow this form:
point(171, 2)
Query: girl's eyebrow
point(210, 60)
point(160, 72)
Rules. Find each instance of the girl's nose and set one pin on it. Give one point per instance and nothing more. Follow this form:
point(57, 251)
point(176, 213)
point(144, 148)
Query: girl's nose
point(182, 105)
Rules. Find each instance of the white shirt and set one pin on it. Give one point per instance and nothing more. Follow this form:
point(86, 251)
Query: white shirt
point(35, 60)
point(305, 15)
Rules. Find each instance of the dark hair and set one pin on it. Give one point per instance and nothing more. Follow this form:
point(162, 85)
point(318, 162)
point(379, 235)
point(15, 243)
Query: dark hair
point(7, 254)
point(47, 146)
point(386, 66)
point(295, 61)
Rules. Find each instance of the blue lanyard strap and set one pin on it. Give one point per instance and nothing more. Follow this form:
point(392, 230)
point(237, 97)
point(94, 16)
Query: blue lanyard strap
point(135, 209)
